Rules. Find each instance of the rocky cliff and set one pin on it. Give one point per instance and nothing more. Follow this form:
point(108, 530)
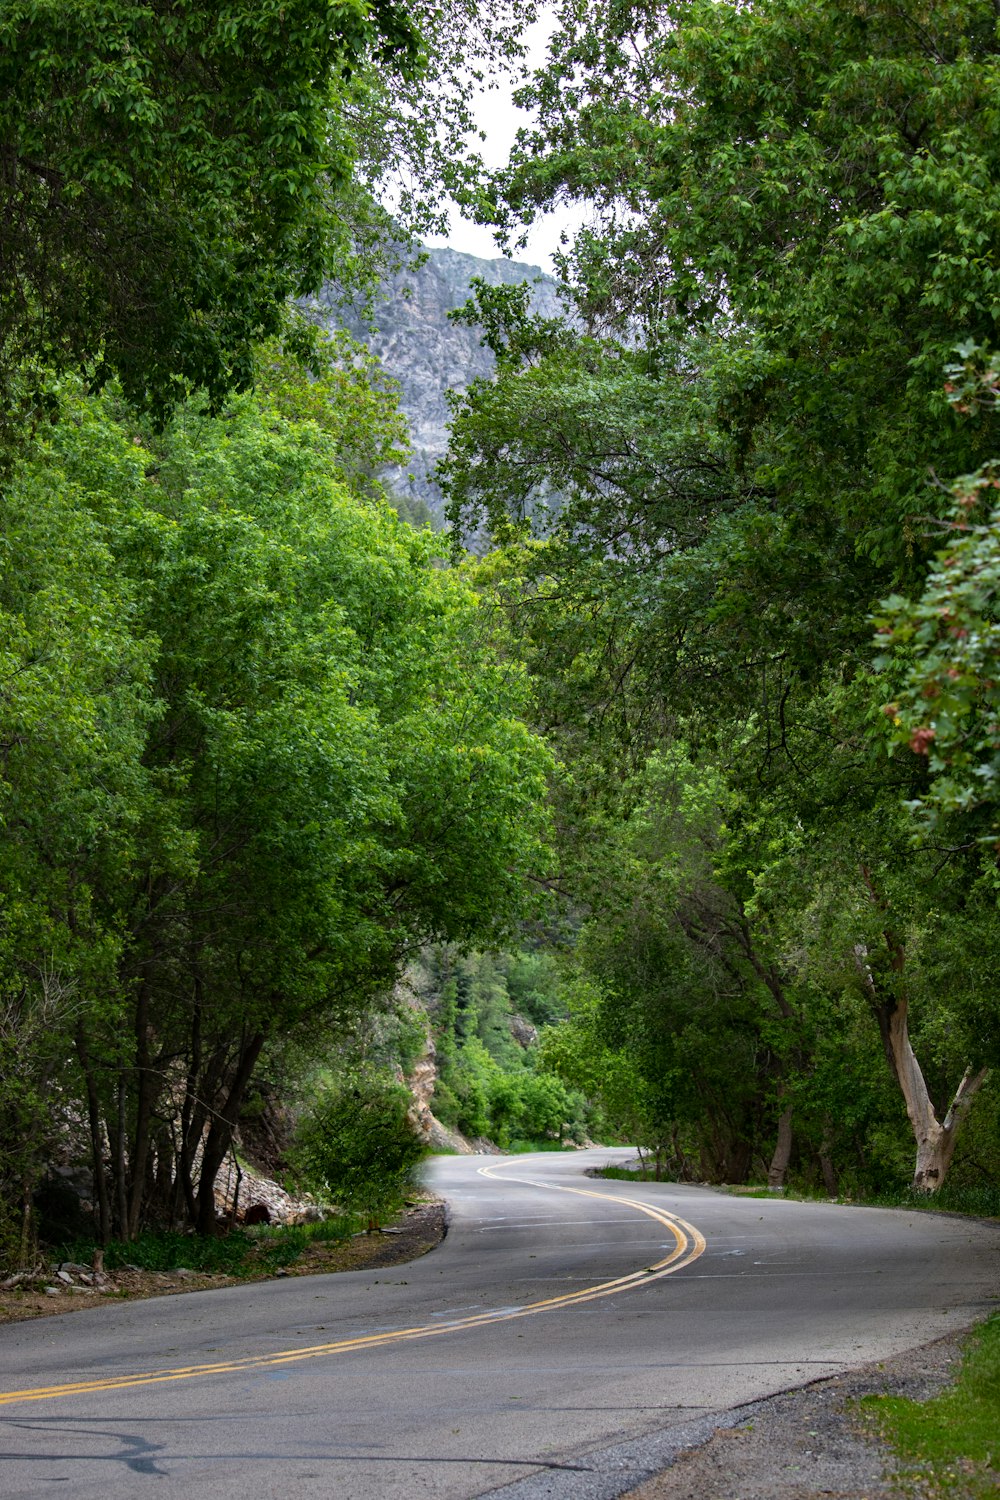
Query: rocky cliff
point(428, 355)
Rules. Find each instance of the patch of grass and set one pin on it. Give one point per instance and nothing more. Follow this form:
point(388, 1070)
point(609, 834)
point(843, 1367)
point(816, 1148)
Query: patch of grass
point(950, 1445)
point(276, 1245)
point(982, 1201)
point(167, 1250)
point(243, 1253)
point(522, 1146)
point(760, 1190)
point(626, 1174)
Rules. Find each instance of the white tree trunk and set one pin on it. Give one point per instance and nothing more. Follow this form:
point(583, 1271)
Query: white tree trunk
point(935, 1139)
point(936, 1147)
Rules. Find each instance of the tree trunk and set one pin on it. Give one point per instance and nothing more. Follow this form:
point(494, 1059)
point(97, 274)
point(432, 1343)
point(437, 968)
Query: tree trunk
point(935, 1140)
point(96, 1137)
point(234, 1206)
point(121, 1157)
point(782, 1151)
point(220, 1134)
point(192, 1118)
point(146, 1089)
point(936, 1147)
point(826, 1166)
point(683, 1171)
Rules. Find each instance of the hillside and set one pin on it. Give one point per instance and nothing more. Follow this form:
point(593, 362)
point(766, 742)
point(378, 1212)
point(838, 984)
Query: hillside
point(428, 355)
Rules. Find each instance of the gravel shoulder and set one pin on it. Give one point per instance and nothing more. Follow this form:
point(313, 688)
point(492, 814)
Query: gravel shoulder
point(808, 1443)
point(412, 1234)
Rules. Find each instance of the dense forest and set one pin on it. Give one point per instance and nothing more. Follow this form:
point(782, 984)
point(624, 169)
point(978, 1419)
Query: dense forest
point(667, 804)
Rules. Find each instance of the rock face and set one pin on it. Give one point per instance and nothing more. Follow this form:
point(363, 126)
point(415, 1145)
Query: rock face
point(259, 1199)
point(421, 1080)
point(523, 1032)
point(428, 355)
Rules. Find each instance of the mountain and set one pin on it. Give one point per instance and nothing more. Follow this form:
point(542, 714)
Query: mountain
point(428, 355)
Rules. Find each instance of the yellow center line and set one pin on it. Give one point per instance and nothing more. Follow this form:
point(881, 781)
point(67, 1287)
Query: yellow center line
point(689, 1243)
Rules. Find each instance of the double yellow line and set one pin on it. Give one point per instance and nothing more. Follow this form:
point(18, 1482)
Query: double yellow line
point(688, 1245)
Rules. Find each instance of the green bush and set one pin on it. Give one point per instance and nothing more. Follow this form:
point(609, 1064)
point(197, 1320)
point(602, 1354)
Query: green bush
point(356, 1144)
point(462, 1095)
point(548, 1107)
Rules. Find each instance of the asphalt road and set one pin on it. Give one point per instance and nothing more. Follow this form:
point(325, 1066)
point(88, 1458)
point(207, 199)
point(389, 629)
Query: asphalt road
point(561, 1318)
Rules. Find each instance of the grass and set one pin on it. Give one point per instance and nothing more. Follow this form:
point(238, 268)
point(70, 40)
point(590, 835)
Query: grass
point(799, 1194)
point(521, 1146)
point(950, 1445)
point(982, 1201)
point(623, 1174)
point(244, 1253)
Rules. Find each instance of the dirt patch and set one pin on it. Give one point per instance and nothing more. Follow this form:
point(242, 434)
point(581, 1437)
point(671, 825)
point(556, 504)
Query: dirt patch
point(415, 1232)
point(809, 1443)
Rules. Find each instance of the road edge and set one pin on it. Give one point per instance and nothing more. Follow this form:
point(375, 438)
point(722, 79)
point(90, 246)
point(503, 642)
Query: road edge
point(621, 1469)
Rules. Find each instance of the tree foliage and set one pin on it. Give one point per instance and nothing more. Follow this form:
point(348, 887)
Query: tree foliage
point(295, 758)
point(356, 1145)
point(169, 176)
point(258, 744)
point(816, 185)
point(492, 1078)
point(943, 646)
point(729, 452)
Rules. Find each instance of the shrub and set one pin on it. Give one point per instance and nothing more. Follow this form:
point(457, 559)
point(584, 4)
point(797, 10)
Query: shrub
point(357, 1145)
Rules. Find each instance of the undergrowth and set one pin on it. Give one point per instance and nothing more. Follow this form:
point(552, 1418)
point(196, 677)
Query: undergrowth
point(644, 1173)
point(527, 1146)
point(242, 1253)
point(983, 1200)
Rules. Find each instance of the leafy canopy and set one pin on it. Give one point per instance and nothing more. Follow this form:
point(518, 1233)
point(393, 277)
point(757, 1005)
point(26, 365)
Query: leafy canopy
point(170, 177)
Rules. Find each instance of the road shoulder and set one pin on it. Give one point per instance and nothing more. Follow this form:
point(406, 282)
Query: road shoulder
point(807, 1443)
point(799, 1445)
point(412, 1234)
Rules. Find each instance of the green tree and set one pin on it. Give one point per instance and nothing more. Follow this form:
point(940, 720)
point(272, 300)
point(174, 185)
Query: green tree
point(941, 649)
point(816, 185)
point(171, 179)
point(792, 214)
point(324, 770)
point(730, 452)
point(357, 1145)
point(75, 712)
point(580, 1050)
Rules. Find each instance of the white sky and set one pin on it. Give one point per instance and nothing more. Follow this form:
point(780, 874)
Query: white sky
point(500, 120)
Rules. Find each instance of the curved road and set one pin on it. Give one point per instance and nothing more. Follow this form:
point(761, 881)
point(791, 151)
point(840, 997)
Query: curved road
point(567, 1334)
